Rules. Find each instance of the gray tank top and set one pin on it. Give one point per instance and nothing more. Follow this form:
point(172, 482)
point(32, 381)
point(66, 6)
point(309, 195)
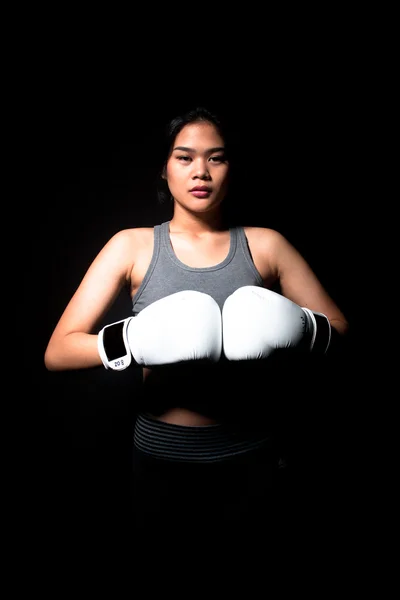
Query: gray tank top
point(166, 274)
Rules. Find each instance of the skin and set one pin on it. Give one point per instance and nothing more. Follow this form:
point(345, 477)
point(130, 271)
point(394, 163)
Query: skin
point(198, 240)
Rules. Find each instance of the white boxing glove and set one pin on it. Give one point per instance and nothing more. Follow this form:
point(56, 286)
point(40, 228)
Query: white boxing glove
point(257, 321)
point(185, 326)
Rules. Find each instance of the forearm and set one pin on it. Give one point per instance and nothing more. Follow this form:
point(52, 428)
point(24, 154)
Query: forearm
point(340, 327)
point(73, 351)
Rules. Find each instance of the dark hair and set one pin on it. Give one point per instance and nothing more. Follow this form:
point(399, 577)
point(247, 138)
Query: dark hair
point(173, 128)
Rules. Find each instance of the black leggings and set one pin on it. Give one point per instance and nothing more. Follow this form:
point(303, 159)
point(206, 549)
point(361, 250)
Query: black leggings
point(243, 490)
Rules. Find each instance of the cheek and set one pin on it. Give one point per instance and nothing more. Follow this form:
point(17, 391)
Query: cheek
point(169, 171)
point(222, 179)
point(174, 175)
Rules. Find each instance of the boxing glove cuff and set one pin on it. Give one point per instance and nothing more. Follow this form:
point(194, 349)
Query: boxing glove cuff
point(113, 346)
point(320, 329)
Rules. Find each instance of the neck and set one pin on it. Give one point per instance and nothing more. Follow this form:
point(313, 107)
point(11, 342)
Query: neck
point(196, 223)
point(183, 220)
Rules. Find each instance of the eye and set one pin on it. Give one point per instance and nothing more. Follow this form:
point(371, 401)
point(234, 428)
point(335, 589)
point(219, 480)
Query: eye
point(219, 158)
point(184, 158)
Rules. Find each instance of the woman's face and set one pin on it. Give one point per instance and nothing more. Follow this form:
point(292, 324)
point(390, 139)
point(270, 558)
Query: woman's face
point(197, 169)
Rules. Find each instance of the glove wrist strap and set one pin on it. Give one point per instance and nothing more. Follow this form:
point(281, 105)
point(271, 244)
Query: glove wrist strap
point(320, 329)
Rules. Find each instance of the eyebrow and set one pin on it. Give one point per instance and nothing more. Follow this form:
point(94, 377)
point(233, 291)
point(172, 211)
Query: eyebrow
point(186, 149)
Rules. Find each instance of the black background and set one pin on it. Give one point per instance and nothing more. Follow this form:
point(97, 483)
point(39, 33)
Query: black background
point(91, 142)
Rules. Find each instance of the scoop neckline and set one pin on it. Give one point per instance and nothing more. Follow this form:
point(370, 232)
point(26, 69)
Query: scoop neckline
point(177, 261)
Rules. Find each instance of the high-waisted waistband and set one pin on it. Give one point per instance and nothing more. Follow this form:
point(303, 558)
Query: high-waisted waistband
point(193, 443)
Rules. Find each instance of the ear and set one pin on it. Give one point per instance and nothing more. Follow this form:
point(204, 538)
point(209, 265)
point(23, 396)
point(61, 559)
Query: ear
point(164, 172)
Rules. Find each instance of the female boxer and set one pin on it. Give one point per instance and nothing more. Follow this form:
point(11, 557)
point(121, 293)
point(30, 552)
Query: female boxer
point(227, 323)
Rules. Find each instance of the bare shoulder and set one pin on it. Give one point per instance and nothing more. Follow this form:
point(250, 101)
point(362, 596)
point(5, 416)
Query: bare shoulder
point(266, 243)
point(132, 251)
point(132, 240)
point(124, 249)
point(265, 247)
point(133, 235)
point(272, 246)
point(264, 236)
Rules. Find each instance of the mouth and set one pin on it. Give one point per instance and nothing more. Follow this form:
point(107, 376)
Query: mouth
point(200, 191)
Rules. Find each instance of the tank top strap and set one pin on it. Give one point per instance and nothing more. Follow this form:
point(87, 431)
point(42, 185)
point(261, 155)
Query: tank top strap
point(163, 232)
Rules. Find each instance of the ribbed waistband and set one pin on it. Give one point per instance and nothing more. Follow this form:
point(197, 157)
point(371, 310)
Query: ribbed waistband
point(193, 443)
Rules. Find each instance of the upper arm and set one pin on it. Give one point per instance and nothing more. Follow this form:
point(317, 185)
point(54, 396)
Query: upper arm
point(298, 281)
point(100, 286)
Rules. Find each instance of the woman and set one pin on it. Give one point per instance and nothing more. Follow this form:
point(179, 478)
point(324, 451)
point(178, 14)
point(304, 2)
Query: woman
point(214, 307)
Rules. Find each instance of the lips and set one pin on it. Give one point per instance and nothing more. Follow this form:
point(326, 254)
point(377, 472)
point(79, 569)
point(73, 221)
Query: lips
point(200, 191)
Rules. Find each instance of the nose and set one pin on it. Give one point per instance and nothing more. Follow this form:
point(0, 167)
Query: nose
point(200, 169)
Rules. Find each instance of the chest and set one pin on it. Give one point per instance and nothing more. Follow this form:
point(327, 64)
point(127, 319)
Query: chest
point(200, 252)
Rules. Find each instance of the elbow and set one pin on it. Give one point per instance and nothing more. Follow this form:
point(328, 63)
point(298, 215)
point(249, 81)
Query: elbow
point(49, 363)
point(50, 360)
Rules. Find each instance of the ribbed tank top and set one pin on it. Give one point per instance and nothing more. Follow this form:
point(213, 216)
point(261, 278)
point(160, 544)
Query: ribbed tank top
point(166, 274)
